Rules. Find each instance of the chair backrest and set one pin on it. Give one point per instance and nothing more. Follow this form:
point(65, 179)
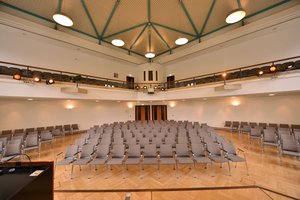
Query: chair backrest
point(1, 146)
point(86, 151)
point(31, 140)
point(195, 140)
point(118, 140)
point(229, 147)
point(170, 140)
point(75, 126)
point(198, 150)
point(227, 123)
point(102, 151)
point(12, 149)
point(134, 151)
point(71, 150)
point(4, 141)
point(182, 150)
point(150, 150)
point(213, 149)
point(67, 127)
point(166, 150)
point(80, 142)
point(46, 136)
point(290, 145)
point(105, 140)
point(118, 151)
point(269, 136)
point(182, 140)
point(21, 130)
point(255, 132)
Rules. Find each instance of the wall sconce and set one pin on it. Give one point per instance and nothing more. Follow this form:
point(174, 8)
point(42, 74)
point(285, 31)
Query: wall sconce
point(130, 105)
point(70, 106)
point(235, 103)
point(172, 104)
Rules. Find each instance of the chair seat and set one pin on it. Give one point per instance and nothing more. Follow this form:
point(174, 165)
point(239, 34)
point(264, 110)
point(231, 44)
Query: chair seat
point(115, 161)
point(98, 161)
point(65, 161)
point(132, 161)
point(219, 159)
point(202, 160)
point(235, 158)
point(82, 161)
point(185, 160)
point(166, 161)
point(292, 153)
point(150, 161)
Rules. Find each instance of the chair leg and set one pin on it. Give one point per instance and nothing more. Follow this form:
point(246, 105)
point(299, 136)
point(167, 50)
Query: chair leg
point(158, 170)
point(176, 166)
point(229, 168)
point(194, 169)
point(213, 171)
point(72, 171)
point(247, 167)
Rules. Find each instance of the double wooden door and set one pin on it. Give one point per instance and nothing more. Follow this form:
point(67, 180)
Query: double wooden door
point(158, 112)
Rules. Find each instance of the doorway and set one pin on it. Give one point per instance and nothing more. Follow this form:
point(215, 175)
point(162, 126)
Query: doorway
point(142, 113)
point(159, 112)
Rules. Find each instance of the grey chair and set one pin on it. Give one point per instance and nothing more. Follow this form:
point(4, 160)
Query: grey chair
point(80, 142)
point(86, 156)
point(46, 136)
point(11, 150)
point(134, 156)
point(57, 133)
point(157, 141)
point(232, 154)
point(150, 156)
point(182, 140)
point(118, 141)
point(183, 156)
point(32, 142)
point(195, 140)
point(214, 153)
point(170, 140)
point(117, 156)
point(269, 137)
point(165, 156)
point(289, 147)
point(200, 155)
point(255, 133)
point(101, 156)
point(69, 157)
point(144, 141)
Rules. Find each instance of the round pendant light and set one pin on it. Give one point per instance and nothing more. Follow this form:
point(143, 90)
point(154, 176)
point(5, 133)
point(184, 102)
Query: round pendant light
point(181, 41)
point(235, 16)
point(149, 55)
point(62, 19)
point(118, 42)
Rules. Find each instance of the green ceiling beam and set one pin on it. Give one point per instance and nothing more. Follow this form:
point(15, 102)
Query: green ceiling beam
point(188, 16)
point(110, 17)
point(149, 38)
point(266, 9)
point(207, 17)
point(173, 29)
point(138, 37)
point(125, 30)
point(149, 11)
point(59, 5)
point(160, 36)
point(239, 3)
point(90, 18)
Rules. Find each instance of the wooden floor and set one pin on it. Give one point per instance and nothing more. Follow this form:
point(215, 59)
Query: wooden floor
point(265, 170)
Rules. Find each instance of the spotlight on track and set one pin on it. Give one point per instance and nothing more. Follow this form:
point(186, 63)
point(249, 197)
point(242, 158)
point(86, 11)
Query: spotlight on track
point(50, 81)
point(17, 75)
point(36, 76)
point(260, 72)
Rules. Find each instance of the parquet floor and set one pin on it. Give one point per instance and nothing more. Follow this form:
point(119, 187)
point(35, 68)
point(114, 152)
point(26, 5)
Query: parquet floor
point(265, 169)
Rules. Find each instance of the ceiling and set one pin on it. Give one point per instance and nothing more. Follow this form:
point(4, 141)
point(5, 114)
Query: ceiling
point(144, 25)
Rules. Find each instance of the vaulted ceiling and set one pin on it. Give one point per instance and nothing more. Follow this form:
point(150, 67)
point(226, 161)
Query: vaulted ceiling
point(144, 25)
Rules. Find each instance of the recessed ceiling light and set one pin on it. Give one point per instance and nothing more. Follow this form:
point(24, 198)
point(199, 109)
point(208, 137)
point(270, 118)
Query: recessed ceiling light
point(63, 19)
point(118, 42)
point(29, 99)
point(235, 16)
point(181, 41)
point(271, 95)
point(149, 55)
point(97, 101)
point(118, 101)
point(204, 99)
point(232, 97)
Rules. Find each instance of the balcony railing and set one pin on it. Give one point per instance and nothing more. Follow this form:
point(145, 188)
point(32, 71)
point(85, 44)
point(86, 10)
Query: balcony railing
point(269, 68)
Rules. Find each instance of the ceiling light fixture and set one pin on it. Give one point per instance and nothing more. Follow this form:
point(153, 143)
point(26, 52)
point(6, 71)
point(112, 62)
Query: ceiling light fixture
point(235, 16)
point(271, 94)
point(62, 19)
point(260, 72)
point(181, 41)
point(273, 68)
point(118, 42)
point(224, 74)
point(17, 76)
point(149, 55)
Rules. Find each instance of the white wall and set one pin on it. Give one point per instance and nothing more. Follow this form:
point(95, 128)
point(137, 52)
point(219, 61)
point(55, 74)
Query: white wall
point(17, 113)
point(25, 48)
point(25, 114)
point(256, 48)
point(276, 109)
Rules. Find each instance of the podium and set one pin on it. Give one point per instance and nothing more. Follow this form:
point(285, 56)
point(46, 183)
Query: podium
point(26, 181)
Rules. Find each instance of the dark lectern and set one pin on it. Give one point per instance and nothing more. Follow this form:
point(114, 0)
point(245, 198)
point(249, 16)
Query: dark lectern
point(26, 181)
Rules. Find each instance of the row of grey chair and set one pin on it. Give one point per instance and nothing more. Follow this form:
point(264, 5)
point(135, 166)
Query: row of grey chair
point(246, 126)
point(68, 128)
point(150, 155)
